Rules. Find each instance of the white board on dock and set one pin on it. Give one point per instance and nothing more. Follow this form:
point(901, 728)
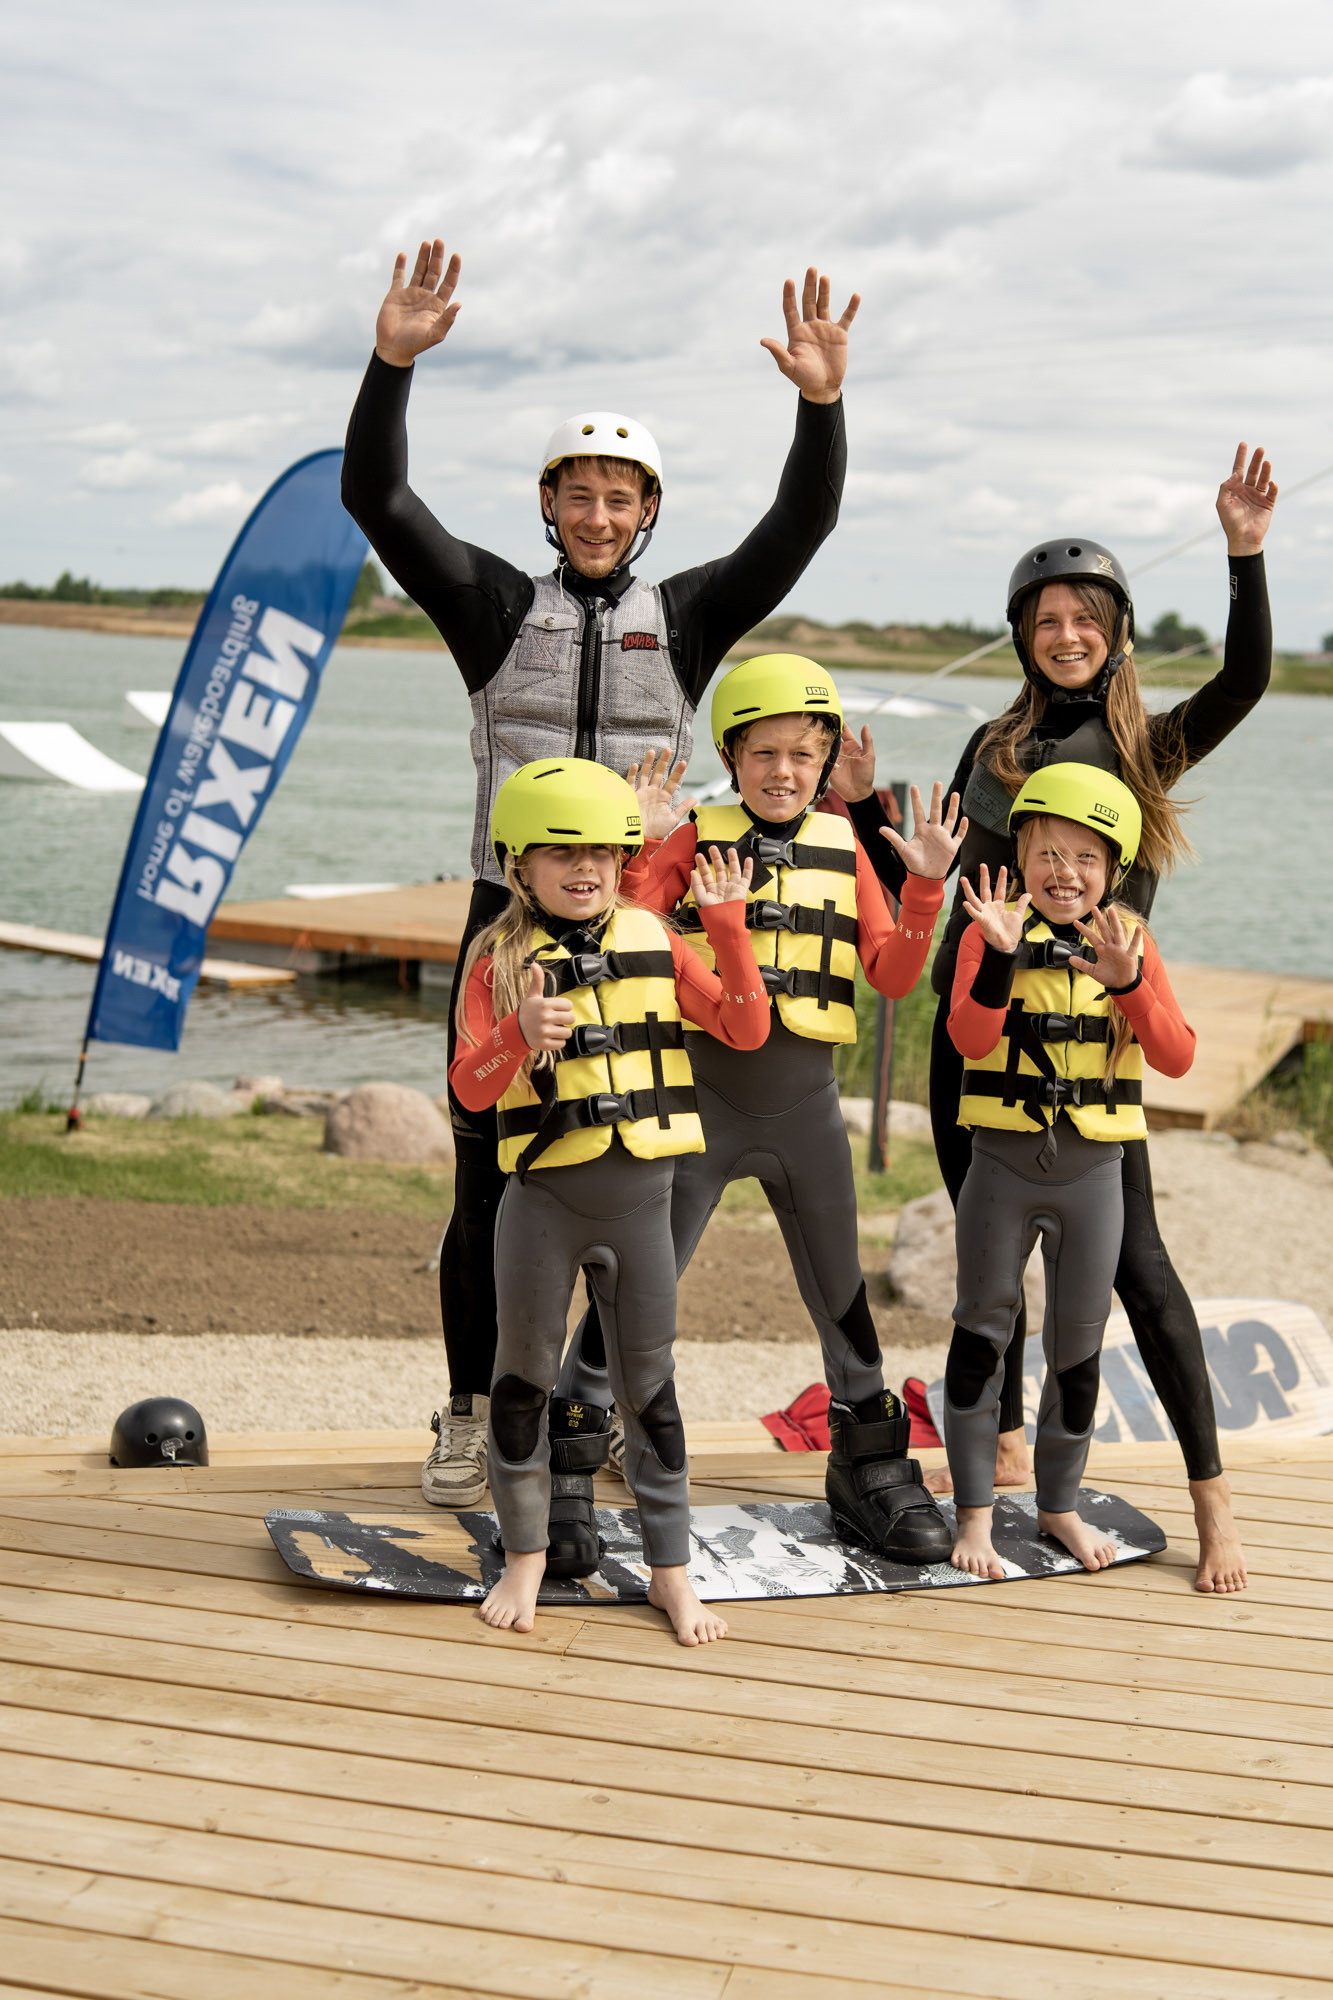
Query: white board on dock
point(54, 752)
point(148, 706)
point(318, 892)
point(1270, 1362)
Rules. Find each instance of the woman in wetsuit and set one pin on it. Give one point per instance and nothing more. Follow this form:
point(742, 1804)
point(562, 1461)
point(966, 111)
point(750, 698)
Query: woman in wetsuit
point(1073, 625)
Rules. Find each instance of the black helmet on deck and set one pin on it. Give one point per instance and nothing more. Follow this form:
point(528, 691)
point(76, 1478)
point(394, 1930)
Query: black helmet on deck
point(1069, 560)
point(162, 1430)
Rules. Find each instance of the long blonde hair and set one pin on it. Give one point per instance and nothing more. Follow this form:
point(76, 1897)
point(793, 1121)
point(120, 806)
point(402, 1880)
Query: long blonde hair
point(1149, 771)
point(1121, 1034)
point(508, 943)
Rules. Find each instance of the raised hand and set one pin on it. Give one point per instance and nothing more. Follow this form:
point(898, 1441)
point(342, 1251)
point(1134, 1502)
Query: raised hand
point(1115, 957)
point(721, 878)
point(543, 1023)
point(417, 314)
point(1245, 502)
point(935, 839)
point(854, 773)
point(656, 781)
point(815, 356)
point(1000, 926)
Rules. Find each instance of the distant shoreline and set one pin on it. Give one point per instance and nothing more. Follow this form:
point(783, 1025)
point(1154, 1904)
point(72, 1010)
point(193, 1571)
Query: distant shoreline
point(861, 649)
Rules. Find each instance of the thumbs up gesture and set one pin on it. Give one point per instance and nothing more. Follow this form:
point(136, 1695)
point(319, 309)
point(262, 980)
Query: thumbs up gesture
point(543, 1023)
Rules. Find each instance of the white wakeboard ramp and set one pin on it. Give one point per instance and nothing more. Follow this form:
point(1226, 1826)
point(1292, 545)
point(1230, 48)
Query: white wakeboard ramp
point(55, 753)
point(1270, 1362)
point(148, 707)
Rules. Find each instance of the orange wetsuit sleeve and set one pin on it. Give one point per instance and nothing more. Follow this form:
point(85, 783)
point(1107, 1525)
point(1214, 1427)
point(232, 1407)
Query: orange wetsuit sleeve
point(657, 878)
point(484, 1066)
point(1150, 1007)
point(732, 1003)
point(1152, 1010)
point(893, 956)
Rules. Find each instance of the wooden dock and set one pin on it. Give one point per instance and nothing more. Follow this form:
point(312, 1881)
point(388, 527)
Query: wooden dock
point(216, 1782)
point(71, 944)
point(420, 924)
point(1246, 1022)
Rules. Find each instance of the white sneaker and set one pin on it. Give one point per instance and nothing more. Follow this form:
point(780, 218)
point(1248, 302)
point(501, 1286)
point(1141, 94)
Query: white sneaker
point(455, 1473)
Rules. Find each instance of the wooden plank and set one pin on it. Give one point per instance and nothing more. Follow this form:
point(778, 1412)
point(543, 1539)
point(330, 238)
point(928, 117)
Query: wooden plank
point(716, 1917)
point(845, 1887)
point(52, 1959)
point(421, 920)
point(1245, 1021)
point(213, 971)
point(268, 1928)
point(860, 1733)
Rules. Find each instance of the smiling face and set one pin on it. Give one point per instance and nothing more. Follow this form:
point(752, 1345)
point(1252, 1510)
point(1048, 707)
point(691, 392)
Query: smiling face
point(779, 762)
point(574, 882)
point(1068, 644)
point(597, 507)
point(1065, 867)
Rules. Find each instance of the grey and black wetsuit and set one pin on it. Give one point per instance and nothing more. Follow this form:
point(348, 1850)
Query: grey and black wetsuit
point(1155, 1301)
point(563, 665)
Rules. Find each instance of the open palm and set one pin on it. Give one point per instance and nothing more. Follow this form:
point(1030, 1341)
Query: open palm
point(417, 313)
point(815, 354)
point(1245, 502)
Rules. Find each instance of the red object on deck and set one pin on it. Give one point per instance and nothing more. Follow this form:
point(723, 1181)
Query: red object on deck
point(803, 1425)
point(924, 1432)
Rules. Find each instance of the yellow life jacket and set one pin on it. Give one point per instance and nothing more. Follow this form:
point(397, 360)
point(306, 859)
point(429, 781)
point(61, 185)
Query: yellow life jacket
point(624, 1066)
point(1052, 1054)
point(803, 924)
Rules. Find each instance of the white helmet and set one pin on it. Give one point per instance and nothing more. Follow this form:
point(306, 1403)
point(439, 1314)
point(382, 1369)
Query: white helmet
point(603, 434)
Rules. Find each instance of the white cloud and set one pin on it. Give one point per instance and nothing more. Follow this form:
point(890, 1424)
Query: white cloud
point(234, 437)
point(128, 468)
point(226, 501)
point(104, 437)
point(29, 369)
point(1133, 504)
point(1215, 125)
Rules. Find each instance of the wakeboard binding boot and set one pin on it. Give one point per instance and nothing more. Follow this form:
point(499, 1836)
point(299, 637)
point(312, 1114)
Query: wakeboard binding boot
point(875, 1491)
point(580, 1435)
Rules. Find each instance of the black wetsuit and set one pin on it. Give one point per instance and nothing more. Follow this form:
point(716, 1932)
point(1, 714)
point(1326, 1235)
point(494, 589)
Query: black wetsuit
point(1155, 1301)
point(478, 602)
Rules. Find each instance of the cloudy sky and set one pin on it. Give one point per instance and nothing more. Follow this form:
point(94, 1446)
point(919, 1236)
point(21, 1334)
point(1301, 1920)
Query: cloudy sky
point(1093, 245)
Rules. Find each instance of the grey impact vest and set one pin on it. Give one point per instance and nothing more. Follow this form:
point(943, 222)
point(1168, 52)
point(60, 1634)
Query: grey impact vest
point(530, 708)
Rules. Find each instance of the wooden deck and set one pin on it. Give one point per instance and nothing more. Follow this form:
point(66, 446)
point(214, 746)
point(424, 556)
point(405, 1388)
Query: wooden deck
point(73, 944)
point(421, 923)
point(1246, 1022)
point(218, 1783)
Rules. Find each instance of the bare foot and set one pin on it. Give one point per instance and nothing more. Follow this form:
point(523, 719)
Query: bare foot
point(513, 1600)
point(671, 1591)
point(1013, 1465)
point(1013, 1460)
point(1093, 1550)
point(972, 1549)
point(1221, 1557)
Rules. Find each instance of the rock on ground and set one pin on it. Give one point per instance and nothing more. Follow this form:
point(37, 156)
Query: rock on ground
point(196, 1100)
point(906, 1120)
point(117, 1104)
point(387, 1121)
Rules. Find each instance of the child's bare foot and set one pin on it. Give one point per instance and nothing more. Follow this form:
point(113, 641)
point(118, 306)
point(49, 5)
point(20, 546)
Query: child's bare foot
point(1013, 1460)
point(972, 1549)
point(1013, 1465)
point(1221, 1557)
point(1094, 1550)
point(512, 1602)
point(670, 1590)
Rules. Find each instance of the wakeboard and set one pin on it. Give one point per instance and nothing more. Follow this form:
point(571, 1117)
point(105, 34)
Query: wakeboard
point(757, 1549)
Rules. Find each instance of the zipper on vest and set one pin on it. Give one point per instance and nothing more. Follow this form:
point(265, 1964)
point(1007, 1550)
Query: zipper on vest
point(590, 679)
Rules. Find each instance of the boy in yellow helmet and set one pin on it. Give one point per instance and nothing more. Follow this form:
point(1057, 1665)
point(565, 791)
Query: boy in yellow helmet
point(814, 910)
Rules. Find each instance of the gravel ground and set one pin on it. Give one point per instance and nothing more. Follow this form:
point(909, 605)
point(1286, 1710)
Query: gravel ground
point(60, 1385)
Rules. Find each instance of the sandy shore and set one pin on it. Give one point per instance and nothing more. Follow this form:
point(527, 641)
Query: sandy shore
point(1240, 1221)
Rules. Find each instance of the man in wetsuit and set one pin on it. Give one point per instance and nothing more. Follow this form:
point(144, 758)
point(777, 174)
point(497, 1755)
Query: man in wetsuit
point(587, 661)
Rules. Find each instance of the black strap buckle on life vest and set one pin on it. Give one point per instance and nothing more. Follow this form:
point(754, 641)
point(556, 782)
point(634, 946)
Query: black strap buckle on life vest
point(591, 968)
point(1053, 1093)
point(555, 1120)
point(1046, 952)
point(801, 985)
point(619, 1038)
point(769, 851)
point(1069, 1027)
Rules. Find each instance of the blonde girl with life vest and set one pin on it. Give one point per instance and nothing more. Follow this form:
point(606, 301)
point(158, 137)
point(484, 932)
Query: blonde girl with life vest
point(571, 1021)
point(815, 912)
point(1059, 997)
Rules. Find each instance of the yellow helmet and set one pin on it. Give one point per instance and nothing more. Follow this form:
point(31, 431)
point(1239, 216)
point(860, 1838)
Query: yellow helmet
point(564, 801)
point(1089, 797)
point(771, 684)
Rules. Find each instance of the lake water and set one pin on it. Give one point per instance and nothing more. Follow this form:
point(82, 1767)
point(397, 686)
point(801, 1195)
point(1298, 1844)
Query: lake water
point(380, 788)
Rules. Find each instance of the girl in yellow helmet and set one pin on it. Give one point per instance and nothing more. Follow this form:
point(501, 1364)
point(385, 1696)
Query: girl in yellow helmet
point(1058, 998)
point(571, 1014)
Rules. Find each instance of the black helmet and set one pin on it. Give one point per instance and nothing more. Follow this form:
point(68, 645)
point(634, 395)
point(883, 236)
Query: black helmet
point(162, 1430)
point(1070, 561)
